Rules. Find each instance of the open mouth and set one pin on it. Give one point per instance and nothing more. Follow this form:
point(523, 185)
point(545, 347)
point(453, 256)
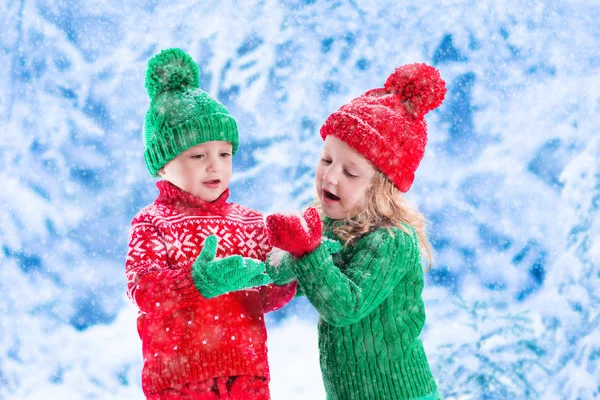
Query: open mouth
point(212, 182)
point(330, 196)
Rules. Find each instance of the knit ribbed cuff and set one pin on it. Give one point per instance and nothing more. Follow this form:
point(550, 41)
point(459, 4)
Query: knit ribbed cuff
point(159, 374)
point(186, 288)
point(170, 143)
point(407, 379)
point(306, 266)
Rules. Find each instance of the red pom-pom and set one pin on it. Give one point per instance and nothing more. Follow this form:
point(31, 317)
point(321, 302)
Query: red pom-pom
point(420, 87)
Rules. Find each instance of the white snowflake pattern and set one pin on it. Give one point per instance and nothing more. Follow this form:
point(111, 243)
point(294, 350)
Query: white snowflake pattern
point(180, 244)
point(251, 242)
point(139, 246)
point(223, 234)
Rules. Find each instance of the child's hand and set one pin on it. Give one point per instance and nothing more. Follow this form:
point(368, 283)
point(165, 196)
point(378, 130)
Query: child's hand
point(332, 246)
point(261, 278)
point(296, 235)
point(215, 277)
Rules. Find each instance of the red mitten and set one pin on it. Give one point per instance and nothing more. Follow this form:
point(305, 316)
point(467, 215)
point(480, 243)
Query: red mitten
point(294, 234)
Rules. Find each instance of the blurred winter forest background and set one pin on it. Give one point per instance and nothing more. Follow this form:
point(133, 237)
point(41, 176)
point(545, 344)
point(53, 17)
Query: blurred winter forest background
point(510, 181)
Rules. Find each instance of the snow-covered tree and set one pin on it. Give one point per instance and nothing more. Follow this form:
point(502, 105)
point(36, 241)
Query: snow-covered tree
point(509, 181)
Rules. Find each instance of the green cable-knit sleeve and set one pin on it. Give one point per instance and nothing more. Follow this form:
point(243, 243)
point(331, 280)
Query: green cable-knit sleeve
point(344, 294)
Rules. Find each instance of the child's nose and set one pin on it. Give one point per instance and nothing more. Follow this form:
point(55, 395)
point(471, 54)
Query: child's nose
point(330, 177)
point(213, 165)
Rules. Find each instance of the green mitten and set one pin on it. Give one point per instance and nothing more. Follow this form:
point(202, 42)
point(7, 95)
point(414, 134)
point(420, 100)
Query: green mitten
point(215, 277)
point(278, 267)
point(332, 246)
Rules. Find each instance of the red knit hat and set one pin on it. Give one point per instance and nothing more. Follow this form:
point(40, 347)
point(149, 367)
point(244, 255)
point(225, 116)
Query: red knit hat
point(387, 126)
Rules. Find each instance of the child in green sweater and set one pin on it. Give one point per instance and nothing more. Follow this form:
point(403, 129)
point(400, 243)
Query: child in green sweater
point(364, 276)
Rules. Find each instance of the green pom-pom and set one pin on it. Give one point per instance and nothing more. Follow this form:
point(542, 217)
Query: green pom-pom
point(171, 69)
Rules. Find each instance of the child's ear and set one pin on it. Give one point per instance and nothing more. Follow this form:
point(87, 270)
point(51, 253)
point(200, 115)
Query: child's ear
point(161, 172)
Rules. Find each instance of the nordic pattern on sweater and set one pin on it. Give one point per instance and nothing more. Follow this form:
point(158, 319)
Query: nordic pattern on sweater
point(185, 336)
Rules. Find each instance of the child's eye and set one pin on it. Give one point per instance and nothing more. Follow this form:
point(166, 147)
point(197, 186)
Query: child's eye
point(198, 156)
point(225, 155)
point(325, 161)
point(350, 175)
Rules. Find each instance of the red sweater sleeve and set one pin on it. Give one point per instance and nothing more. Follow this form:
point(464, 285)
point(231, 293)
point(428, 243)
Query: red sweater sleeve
point(274, 297)
point(151, 283)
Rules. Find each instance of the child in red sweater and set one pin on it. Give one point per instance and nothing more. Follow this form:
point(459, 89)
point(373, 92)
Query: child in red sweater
point(194, 264)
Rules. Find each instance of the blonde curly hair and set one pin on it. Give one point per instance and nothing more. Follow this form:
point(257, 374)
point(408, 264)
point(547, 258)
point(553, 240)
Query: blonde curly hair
point(383, 206)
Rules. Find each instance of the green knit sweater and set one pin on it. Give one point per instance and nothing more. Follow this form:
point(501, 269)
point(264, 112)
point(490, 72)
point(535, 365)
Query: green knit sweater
point(369, 299)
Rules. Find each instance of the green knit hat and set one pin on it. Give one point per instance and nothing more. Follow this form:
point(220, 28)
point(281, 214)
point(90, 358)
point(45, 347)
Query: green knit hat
point(180, 115)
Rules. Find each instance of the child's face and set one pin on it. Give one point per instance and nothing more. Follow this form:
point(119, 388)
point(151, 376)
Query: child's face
point(203, 170)
point(343, 176)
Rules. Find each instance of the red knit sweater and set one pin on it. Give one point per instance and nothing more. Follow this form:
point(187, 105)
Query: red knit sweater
point(185, 336)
